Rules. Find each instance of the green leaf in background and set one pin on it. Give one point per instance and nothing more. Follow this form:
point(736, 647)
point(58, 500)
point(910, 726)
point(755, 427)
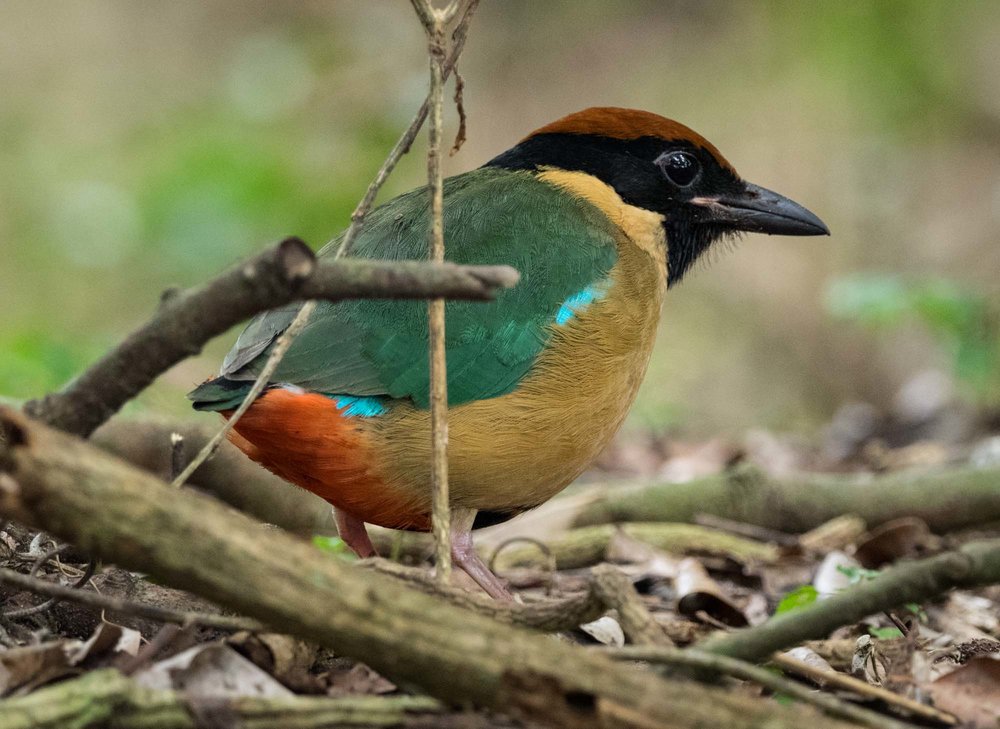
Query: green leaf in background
point(917, 610)
point(869, 299)
point(36, 362)
point(800, 597)
point(857, 574)
point(884, 633)
point(332, 545)
point(960, 320)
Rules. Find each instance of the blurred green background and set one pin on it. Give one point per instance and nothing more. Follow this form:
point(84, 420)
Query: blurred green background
point(148, 144)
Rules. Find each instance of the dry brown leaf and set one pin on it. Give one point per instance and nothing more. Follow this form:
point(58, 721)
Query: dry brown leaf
point(107, 638)
point(971, 692)
point(23, 669)
point(210, 670)
point(868, 663)
point(836, 533)
point(699, 593)
point(286, 658)
point(359, 679)
point(908, 536)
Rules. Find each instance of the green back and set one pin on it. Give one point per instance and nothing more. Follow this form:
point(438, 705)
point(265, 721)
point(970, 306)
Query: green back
point(560, 244)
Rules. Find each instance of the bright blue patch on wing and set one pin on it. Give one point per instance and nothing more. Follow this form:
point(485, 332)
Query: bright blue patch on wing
point(580, 301)
point(364, 407)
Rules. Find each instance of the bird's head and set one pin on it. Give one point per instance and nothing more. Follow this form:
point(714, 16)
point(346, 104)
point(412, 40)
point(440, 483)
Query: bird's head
point(662, 166)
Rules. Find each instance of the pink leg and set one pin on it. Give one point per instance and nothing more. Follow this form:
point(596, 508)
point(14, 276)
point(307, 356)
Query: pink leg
point(465, 556)
point(352, 531)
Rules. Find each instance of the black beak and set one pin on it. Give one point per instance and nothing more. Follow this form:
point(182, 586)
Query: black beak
point(758, 210)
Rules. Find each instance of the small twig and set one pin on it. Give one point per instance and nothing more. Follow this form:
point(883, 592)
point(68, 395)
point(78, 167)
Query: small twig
point(750, 531)
point(722, 665)
point(51, 602)
point(863, 688)
point(434, 25)
point(117, 605)
point(176, 455)
point(900, 625)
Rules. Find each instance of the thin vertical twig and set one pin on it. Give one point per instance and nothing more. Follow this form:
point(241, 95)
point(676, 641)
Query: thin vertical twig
point(401, 147)
point(434, 22)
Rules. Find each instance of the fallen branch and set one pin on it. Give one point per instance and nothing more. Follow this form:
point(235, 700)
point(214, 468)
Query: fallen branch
point(106, 698)
point(848, 683)
point(186, 321)
point(972, 565)
point(118, 513)
point(946, 499)
point(725, 666)
point(588, 545)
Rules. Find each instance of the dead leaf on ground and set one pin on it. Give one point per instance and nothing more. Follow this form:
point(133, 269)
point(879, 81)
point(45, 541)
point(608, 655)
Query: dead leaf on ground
point(971, 693)
point(286, 658)
point(210, 670)
point(908, 536)
point(868, 663)
point(699, 593)
point(837, 533)
point(359, 679)
point(107, 638)
point(606, 631)
point(26, 668)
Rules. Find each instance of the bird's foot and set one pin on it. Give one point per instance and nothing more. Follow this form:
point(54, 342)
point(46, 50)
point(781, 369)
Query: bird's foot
point(464, 553)
point(352, 530)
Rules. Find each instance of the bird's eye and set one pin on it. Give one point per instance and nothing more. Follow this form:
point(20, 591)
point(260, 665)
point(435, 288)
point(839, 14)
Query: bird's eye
point(681, 168)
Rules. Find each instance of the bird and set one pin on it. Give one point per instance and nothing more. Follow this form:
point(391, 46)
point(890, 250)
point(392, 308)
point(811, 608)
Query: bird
point(603, 212)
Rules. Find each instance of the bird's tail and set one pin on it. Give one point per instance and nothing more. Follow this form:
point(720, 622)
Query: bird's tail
point(219, 393)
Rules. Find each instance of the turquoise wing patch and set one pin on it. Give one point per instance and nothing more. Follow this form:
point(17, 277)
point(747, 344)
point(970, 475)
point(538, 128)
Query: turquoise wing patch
point(579, 301)
point(362, 407)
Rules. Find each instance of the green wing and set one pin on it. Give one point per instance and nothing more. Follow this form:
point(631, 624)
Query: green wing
point(559, 243)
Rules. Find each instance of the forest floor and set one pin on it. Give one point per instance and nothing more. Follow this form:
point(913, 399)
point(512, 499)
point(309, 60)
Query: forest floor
point(935, 662)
